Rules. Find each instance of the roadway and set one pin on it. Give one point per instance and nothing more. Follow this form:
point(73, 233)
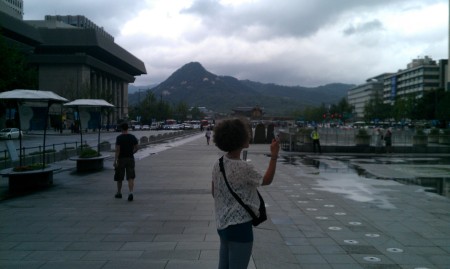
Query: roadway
point(55, 140)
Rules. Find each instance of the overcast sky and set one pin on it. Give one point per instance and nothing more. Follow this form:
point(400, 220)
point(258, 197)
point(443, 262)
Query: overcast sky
point(287, 42)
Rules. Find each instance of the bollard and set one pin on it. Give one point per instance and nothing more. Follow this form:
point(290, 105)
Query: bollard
point(244, 155)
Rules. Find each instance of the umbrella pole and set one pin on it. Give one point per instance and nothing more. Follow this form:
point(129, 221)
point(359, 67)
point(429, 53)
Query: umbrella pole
point(20, 137)
point(81, 129)
point(45, 134)
point(99, 127)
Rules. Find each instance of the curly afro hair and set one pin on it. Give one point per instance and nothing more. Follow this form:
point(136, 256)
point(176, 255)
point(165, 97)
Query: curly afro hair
point(231, 135)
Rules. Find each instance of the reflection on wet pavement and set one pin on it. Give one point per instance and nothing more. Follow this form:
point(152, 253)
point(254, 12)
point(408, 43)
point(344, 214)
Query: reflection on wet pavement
point(366, 178)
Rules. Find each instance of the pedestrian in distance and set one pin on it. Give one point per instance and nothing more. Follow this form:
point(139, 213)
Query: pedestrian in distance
point(316, 140)
point(378, 140)
point(208, 135)
point(126, 146)
point(388, 140)
point(234, 223)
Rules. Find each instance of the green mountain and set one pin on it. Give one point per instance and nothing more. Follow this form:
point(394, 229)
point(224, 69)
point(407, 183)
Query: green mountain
point(195, 86)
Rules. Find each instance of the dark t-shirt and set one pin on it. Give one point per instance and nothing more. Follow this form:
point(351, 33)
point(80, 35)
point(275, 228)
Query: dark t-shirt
point(126, 143)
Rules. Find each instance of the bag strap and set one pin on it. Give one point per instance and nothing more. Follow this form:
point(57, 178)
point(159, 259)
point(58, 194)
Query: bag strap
point(246, 207)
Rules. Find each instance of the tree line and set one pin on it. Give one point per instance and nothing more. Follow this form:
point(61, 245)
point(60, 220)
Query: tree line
point(153, 108)
point(433, 106)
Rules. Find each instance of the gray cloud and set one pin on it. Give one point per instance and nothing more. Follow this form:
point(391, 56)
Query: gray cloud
point(364, 27)
point(288, 42)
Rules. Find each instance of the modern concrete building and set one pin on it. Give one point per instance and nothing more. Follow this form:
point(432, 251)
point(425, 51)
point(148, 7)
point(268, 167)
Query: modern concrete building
point(12, 7)
point(76, 60)
point(360, 95)
point(420, 75)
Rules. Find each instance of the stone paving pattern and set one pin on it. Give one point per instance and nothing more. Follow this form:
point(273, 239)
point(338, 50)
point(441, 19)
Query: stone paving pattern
point(78, 223)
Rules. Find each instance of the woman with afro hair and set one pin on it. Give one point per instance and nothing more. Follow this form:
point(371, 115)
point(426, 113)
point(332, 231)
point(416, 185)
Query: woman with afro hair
point(234, 223)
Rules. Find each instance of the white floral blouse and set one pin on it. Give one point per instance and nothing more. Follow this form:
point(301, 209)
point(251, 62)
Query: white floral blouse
point(243, 179)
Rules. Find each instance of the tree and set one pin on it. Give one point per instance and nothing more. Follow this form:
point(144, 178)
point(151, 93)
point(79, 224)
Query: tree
point(376, 109)
point(15, 72)
point(197, 114)
point(443, 108)
point(404, 107)
point(181, 111)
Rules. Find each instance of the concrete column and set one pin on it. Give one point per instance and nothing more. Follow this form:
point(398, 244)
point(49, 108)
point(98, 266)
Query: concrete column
point(125, 97)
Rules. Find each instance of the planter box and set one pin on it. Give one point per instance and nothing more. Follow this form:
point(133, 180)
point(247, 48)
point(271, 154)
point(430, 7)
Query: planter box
point(420, 140)
point(362, 140)
point(433, 138)
point(26, 180)
point(444, 139)
point(105, 146)
point(89, 164)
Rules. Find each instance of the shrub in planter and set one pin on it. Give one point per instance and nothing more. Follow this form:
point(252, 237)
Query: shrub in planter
point(304, 135)
point(420, 138)
point(270, 134)
point(362, 137)
point(106, 146)
point(260, 134)
point(445, 138)
point(89, 153)
point(31, 167)
point(433, 137)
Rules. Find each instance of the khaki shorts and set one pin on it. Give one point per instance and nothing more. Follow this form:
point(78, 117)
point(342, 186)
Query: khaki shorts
point(124, 166)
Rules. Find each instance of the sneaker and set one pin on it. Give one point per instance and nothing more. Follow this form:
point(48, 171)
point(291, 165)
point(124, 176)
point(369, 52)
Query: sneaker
point(118, 196)
point(130, 197)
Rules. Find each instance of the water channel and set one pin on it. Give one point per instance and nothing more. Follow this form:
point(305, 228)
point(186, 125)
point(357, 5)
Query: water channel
point(357, 176)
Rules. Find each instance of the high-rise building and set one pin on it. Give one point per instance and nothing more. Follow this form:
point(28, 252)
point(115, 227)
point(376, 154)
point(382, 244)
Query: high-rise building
point(420, 75)
point(79, 22)
point(360, 95)
point(12, 7)
point(75, 58)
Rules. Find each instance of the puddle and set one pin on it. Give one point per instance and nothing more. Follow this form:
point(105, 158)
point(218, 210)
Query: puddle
point(156, 148)
point(366, 178)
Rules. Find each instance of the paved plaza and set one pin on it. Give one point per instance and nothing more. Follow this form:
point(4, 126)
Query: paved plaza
point(322, 214)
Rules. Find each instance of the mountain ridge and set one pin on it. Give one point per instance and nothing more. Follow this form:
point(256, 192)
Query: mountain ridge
point(196, 86)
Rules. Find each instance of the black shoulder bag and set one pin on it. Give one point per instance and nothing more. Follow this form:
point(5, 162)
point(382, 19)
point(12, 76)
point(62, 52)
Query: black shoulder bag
point(262, 207)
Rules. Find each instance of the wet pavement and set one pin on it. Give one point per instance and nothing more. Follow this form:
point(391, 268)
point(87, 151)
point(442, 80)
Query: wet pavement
point(325, 211)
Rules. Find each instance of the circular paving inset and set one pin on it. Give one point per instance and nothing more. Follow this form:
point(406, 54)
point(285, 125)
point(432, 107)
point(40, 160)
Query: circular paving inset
point(311, 209)
point(356, 223)
point(340, 213)
point(353, 242)
point(302, 202)
point(295, 195)
point(372, 235)
point(372, 259)
point(328, 205)
point(321, 218)
point(334, 228)
point(395, 250)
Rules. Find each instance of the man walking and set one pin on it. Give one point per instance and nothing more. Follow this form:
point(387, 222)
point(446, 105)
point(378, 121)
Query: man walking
point(126, 146)
point(315, 137)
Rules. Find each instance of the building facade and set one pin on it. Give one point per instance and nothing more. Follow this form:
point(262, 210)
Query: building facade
point(12, 7)
point(76, 60)
point(420, 75)
point(360, 95)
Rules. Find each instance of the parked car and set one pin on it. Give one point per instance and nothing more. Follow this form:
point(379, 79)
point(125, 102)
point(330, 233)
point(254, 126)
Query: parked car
point(10, 133)
point(136, 127)
point(145, 127)
point(154, 126)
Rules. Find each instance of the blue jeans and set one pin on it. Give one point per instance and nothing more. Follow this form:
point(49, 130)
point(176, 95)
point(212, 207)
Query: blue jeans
point(236, 243)
point(234, 255)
